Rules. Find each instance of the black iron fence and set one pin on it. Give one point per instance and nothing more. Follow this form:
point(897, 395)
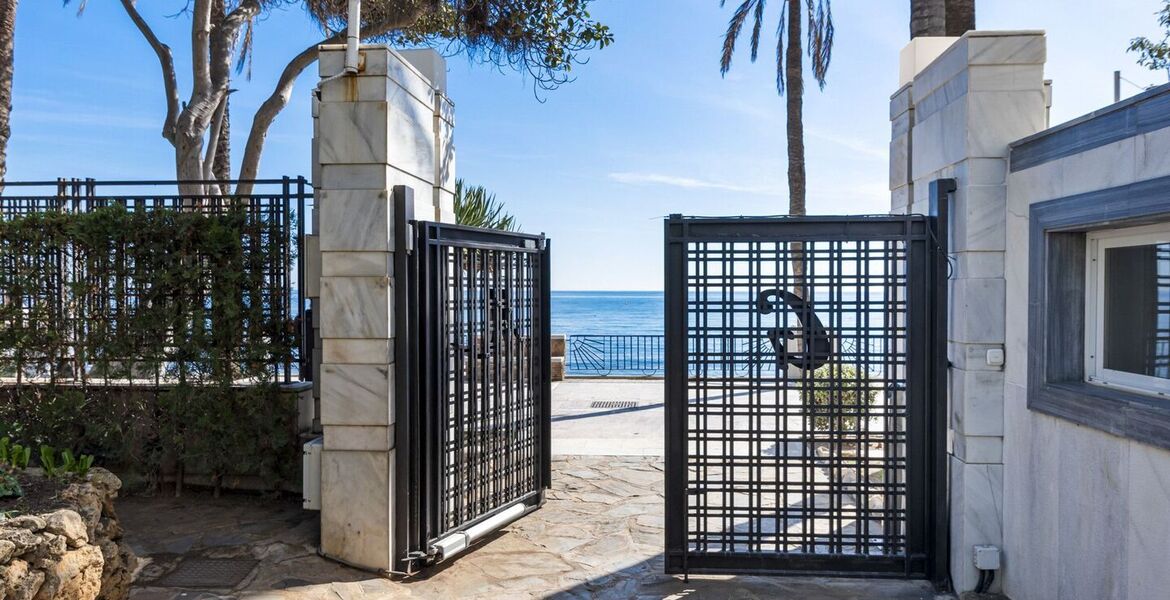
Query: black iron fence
point(81, 263)
point(614, 355)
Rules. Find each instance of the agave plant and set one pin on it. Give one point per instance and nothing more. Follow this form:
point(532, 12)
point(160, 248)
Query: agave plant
point(476, 207)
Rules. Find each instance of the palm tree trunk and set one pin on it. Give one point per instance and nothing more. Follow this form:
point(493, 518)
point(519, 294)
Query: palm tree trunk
point(794, 95)
point(960, 17)
point(928, 18)
point(7, 37)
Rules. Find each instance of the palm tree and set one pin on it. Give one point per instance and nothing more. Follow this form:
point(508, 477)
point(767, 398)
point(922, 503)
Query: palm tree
point(789, 69)
point(476, 207)
point(7, 35)
point(941, 17)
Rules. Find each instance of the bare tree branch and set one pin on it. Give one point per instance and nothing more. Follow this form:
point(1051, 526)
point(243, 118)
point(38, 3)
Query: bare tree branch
point(167, 62)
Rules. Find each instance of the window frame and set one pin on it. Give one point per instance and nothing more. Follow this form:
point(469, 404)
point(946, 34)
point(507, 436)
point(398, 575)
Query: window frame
point(1098, 242)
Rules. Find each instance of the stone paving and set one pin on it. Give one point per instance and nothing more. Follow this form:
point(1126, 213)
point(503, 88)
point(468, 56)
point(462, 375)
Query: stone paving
point(598, 536)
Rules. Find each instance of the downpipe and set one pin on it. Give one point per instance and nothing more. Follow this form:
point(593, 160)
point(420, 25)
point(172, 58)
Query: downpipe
point(353, 39)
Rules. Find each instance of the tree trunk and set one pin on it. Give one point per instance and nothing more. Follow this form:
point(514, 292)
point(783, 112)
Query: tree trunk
point(7, 35)
point(941, 17)
point(960, 17)
point(221, 167)
point(928, 18)
point(794, 96)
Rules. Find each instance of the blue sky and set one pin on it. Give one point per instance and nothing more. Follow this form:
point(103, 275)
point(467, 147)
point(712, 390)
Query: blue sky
point(648, 127)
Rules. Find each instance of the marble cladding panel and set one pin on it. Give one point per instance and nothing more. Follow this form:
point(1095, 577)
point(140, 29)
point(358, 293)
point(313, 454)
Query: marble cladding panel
point(972, 357)
point(900, 199)
point(359, 438)
point(312, 266)
point(369, 177)
point(1153, 154)
point(977, 311)
point(1037, 184)
point(357, 394)
point(356, 220)
point(977, 402)
point(356, 507)
point(1103, 167)
point(940, 140)
point(357, 264)
point(1148, 527)
point(900, 125)
point(357, 351)
point(948, 93)
point(977, 265)
point(976, 516)
point(1094, 515)
point(1006, 78)
point(979, 219)
point(378, 62)
point(1000, 118)
point(900, 102)
point(982, 171)
point(947, 66)
point(1010, 48)
point(1016, 293)
point(899, 161)
point(356, 307)
point(399, 132)
point(975, 449)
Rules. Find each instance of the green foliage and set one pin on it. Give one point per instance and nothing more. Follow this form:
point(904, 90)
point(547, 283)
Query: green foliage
point(14, 455)
point(69, 465)
point(9, 486)
point(476, 207)
point(159, 354)
point(838, 392)
point(1155, 56)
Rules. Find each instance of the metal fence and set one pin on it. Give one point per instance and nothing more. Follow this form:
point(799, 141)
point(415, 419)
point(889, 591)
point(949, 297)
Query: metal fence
point(614, 355)
point(273, 213)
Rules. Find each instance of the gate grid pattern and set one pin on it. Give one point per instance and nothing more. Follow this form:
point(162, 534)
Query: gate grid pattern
point(478, 411)
point(796, 394)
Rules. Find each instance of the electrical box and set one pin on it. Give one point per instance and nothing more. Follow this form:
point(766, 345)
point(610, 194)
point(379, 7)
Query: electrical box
point(987, 558)
point(995, 357)
point(311, 474)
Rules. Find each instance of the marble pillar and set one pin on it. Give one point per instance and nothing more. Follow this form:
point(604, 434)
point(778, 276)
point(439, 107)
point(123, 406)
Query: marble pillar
point(388, 125)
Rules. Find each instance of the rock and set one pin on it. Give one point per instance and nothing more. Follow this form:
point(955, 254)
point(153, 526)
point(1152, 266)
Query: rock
point(69, 524)
point(105, 481)
point(50, 549)
point(30, 522)
point(22, 539)
point(85, 499)
point(118, 571)
point(7, 551)
point(19, 581)
point(77, 576)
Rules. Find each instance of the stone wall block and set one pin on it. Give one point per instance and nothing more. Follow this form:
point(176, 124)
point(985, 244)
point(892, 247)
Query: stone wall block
point(356, 307)
point(357, 394)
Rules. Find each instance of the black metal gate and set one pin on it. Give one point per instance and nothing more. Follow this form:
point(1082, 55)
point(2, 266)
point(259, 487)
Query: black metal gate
point(805, 417)
point(472, 427)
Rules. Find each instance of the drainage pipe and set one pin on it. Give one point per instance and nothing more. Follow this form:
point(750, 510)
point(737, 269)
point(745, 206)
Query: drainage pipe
point(460, 540)
point(353, 36)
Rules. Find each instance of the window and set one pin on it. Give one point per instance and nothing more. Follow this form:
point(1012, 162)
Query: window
point(1127, 338)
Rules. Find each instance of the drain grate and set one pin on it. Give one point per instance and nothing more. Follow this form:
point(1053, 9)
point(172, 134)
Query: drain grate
point(613, 404)
point(218, 573)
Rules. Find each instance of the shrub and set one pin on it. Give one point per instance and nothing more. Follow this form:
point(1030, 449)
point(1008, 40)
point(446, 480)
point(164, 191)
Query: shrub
point(838, 390)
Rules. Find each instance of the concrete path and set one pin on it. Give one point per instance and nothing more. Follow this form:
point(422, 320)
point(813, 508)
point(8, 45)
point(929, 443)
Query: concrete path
point(579, 428)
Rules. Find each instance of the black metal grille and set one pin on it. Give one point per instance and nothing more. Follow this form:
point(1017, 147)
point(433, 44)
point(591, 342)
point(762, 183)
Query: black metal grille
point(792, 401)
point(82, 303)
point(605, 355)
point(481, 404)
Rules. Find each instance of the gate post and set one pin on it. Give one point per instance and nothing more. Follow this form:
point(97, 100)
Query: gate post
point(953, 119)
point(390, 124)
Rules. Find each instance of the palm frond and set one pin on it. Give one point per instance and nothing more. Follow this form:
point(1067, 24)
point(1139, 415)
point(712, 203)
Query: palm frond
point(820, 38)
point(476, 207)
point(734, 27)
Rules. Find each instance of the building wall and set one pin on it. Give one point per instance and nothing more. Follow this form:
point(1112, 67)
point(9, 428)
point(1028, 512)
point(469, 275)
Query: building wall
point(1086, 513)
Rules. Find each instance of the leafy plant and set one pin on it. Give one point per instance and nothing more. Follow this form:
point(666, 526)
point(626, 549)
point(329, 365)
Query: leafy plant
point(9, 486)
point(1155, 55)
point(476, 207)
point(14, 455)
point(69, 464)
point(840, 395)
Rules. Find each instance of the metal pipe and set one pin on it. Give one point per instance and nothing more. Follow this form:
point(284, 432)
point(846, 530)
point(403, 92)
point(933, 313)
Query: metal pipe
point(353, 36)
point(1117, 86)
point(459, 541)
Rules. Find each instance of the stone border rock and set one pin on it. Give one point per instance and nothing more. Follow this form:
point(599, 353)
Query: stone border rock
point(74, 553)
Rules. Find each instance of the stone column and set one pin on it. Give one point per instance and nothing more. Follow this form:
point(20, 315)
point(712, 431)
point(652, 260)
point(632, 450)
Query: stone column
point(374, 131)
point(955, 119)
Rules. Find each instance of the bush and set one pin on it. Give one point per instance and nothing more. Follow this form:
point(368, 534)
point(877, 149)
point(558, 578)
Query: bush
point(837, 392)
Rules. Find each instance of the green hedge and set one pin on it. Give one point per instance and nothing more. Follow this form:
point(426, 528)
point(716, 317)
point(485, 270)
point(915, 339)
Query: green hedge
point(176, 300)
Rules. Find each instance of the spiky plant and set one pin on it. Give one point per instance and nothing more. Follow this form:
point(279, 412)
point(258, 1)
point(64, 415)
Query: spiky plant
point(476, 207)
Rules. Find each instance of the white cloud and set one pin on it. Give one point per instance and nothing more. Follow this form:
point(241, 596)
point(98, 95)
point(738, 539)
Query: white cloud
point(691, 183)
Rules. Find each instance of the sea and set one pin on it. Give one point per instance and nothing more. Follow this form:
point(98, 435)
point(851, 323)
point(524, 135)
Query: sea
point(607, 313)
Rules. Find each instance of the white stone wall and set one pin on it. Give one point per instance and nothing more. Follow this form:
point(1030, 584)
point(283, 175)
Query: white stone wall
point(1086, 513)
point(389, 125)
point(955, 119)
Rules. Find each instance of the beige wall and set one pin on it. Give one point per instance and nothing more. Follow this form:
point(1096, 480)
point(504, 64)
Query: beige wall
point(1086, 513)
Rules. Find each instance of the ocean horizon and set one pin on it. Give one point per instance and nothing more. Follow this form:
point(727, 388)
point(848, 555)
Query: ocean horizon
point(607, 312)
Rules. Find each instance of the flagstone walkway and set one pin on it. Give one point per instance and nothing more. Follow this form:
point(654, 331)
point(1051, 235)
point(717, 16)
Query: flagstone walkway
point(598, 536)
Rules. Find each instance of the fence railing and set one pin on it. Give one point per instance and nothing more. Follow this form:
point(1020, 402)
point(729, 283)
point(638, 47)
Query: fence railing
point(614, 355)
point(80, 283)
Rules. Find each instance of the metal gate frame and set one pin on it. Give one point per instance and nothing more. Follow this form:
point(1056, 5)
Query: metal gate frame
point(421, 315)
point(926, 549)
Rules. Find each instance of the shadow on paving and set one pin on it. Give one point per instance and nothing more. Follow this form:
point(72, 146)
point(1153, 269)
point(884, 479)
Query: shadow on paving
point(598, 536)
